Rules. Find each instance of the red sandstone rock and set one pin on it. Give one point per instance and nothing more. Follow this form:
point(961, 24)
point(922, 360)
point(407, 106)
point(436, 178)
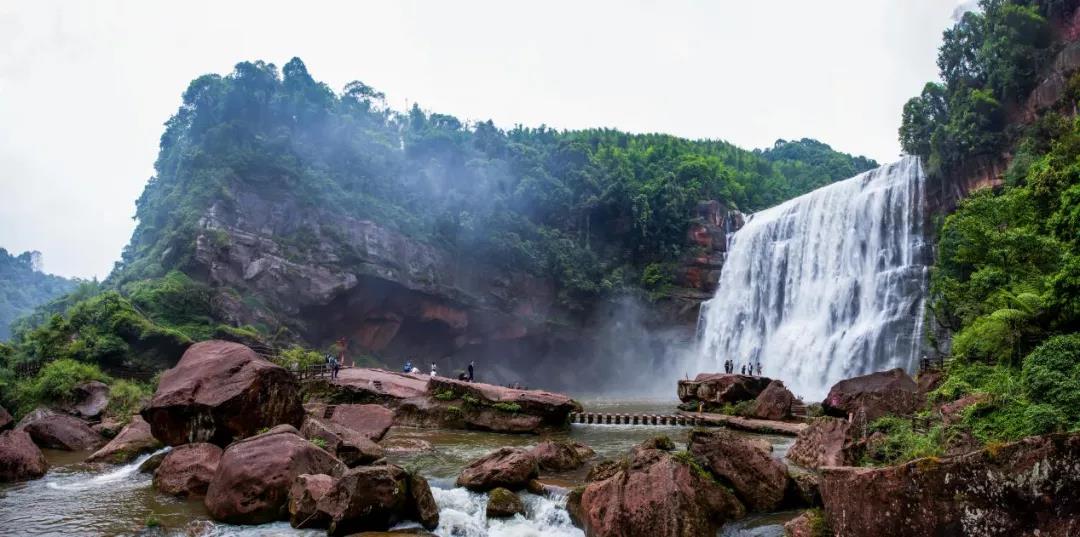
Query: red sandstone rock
point(60, 431)
point(503, 503)
point(757, 479)
point(352, 447)
point(827, 441)
point(90, 399)
point(423, 506)
point(721, 388)
point(187, 470)
point(304, 495)
point(20, 458)
point(510, 468)
point(1030, 487)
point(371, 421)
point(800, 526)
point(551, 408)
point(774, 403)
point(133, 440)
point(374, 498)
point(380, 385)
point(872, 396)
point(251, 485)
point(656, 495)
point(221, 391)
point(561, 456)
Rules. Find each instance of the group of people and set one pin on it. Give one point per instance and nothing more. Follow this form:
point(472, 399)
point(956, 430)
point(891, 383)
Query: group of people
point(747, 369)
point(410, 368)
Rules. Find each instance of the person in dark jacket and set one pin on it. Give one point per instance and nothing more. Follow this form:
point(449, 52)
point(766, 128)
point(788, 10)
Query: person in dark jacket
point(471, 371)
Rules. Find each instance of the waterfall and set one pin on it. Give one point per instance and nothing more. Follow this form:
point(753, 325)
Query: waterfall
point(825, 286)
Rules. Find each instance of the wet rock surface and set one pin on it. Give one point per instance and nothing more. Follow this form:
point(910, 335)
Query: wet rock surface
point(253, 478)
point(654, 494)
point(757, 479)
point(375, 498)
point(1029, 487)
point(187, 470)
point(133, 440)
point(221, 391)
point(827, 441)
point(774, 403)
point(352, 447)
point(20, 458)
point(561, 456)
point(503, 503)
point(371, 421)
point(510, 468)
point(90, 399)
point(304, 495)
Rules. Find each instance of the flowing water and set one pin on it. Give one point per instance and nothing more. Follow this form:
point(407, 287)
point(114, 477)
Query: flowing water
point(825, 286)
point(81, 499)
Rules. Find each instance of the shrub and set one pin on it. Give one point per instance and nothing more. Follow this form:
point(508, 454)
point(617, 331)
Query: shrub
point(54, 383)
point(901, 443)
point(319, 442)
point(298, 357)
point(512, 408)
point(1051, 375)
point(446, 395)
point(126, 397)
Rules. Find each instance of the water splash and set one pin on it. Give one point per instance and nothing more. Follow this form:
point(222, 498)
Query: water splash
point(826, 286)
point(463, 514)
point(119, 475)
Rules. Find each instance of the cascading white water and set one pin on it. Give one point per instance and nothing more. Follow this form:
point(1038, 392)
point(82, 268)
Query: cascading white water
point(825, 286)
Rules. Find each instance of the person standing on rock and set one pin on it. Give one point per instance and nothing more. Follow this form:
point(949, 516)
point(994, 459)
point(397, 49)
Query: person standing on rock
point(744, 369)
point(471, 377)
point(759, 368)
point(334, 367)
point(433, 369)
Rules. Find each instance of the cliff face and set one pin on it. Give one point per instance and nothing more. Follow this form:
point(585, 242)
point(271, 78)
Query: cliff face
point(275, 262)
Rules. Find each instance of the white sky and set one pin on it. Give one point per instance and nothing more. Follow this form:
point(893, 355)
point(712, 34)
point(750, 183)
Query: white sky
point(86, 86)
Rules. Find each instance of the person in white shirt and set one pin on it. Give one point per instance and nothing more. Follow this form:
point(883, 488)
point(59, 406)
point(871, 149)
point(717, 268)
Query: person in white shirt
point(433, 369)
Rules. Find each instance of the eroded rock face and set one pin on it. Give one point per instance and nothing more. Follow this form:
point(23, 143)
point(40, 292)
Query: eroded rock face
point(90, 398)
point(827, 441)
point(503, 503)
point(774, 403)
point(552, 409)
point(561, 456)
point(720, 388)
point(60, 431)
point(872, 396)
point(221, 391)
point(187, 470)
point(510, 468)
point(657, 495)
point(374, 498)
point(352, 447)
point(134, 440)
point(371, 421)
point(304, 495)
point(20, 458)
point(251, 485)
point(1030, 487)
point(757, 479)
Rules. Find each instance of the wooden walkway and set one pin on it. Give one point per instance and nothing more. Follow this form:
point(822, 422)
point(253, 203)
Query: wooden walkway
point(600, 418)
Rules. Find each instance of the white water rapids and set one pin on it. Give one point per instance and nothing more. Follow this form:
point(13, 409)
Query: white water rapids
point(825, 286)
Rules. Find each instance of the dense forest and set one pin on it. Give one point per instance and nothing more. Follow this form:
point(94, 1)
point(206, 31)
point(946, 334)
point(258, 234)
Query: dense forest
point(1006, 282)
point(598, 212)
point(23, 288)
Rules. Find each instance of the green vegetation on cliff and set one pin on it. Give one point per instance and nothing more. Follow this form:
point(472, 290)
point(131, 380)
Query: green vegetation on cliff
point(589, 209)
point(1006, 281)
point(22, 288)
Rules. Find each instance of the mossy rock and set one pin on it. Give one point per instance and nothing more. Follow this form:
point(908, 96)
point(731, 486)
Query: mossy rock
point(504, 504)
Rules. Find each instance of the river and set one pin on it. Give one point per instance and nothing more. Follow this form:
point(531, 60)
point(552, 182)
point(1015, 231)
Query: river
point(80, 499)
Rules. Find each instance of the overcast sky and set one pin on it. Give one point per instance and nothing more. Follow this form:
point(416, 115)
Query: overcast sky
point(86, 86)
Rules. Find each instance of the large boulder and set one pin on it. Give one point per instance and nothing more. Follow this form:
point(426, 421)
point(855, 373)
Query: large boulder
point(6, 421)
point(373, 498)
point(720, 388)
point(304, 495)
point(507, 467)
point(371, 421)
point(656, 493)
point(134, 440)
point(503, 503)
point(251, 485)
point(561, 456)
point(20, 458)
point(758, 480)
point(187, 470)
point(774, 403)
point(826, 441)
point(89, 399)
point(352, 447)
point(869, 397)
point(52, 430)
point(221, 391)
point(1030, 487)
point(552, 409)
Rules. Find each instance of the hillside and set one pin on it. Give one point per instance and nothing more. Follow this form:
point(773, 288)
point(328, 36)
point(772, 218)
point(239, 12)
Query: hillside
point(24, 287)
